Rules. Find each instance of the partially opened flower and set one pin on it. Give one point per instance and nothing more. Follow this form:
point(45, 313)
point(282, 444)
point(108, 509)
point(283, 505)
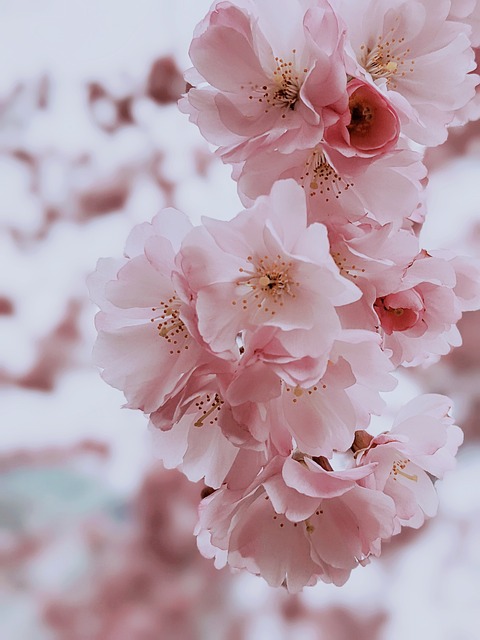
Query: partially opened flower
point(372, 126)
point(420, 315)
point(375, 257)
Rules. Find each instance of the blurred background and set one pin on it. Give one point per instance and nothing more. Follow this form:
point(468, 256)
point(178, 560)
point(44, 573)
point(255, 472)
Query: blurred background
point(95, 537)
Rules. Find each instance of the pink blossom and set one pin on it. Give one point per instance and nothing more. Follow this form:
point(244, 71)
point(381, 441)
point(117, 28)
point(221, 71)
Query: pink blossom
point(194, 441)
point(417, 56)
point(298, 523)
point(423, 442)
point(419, 316)
point(200, 432)
point(371, 127)
point(266, 78)
point(266, 268)
point(323, 417)
point(338, 188)
point(143, 344)
point(375, 257)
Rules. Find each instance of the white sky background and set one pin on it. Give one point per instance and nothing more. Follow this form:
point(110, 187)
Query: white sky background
point(431, 590)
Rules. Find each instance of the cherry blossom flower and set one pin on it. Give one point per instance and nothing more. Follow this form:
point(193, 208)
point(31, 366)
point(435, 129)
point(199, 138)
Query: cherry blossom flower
point(322, 417)
point(297, 523)
point(372, 126)
point(418, 57)
point(340, 189)
point(143, 344)
point(266, 268)
point(275, 78)
point(419, 316)
point(375, 257)
point(194, 441)
point(422, 443)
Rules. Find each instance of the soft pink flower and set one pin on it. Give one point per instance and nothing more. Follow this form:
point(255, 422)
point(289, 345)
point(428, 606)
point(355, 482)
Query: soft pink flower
point(266, 78)
point(338, 188)
point(375, 257)
point(266, 268)
point(423, 442)
point(320, 415)
point(203, 434)
point(419, 316)
point(194, 441)
point(298, 523)
point(417, 56)
point(323, 417)
point(371, 126)
point(143, 344)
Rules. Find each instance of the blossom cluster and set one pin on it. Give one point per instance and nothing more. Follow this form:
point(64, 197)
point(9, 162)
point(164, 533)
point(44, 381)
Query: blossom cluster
point(260, 346)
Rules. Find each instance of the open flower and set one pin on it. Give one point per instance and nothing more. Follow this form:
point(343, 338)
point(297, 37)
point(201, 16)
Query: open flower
point(417, 56)
point(338, 188)
point(266, 79)
point(422, 443)
point(266, 268)
point(143, 343)
point(322, 417)
point(297, 523)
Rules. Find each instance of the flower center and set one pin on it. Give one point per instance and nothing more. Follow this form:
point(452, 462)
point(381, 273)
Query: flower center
point(269, 280)
point(399, 313)
point(284, 89)
point(171, 326)
point(387, 59)
point(321, 177)
point(361, 117)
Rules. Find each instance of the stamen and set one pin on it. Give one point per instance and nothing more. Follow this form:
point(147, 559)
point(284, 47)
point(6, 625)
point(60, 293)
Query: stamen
point(171, 326)
point(269, 281)
point(216, 406)
point(284, 88)
point(398, 469)
point(299, 392)
point(387, 59)
point(309, 526)
point(345, 269)
point(322, 178)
